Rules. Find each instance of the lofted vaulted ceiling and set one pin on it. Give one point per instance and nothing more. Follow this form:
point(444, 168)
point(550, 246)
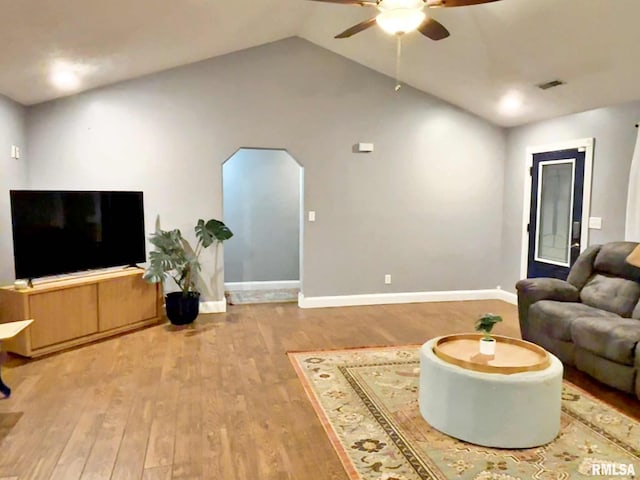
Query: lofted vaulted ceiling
point(509, 45)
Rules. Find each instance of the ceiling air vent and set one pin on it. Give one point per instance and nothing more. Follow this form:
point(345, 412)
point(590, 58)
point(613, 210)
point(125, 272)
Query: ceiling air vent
point(551, 84)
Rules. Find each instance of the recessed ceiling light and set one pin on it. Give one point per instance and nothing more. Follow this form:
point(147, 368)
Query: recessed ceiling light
point(64, 78)
point(511, 103)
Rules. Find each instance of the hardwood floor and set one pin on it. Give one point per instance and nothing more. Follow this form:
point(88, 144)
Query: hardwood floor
point(217, 400)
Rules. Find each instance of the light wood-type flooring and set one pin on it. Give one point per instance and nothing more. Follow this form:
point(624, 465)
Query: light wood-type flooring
point(217, 400)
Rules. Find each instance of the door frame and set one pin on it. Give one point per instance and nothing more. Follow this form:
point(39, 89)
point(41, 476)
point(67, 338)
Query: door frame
point(587, 144)
point(301, 190)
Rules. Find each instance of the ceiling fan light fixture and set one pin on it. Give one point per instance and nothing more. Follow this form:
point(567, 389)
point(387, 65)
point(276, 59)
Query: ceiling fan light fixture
point(391, 4)
point(398, 21)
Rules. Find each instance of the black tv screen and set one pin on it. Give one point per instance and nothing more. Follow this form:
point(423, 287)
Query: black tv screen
point(57, 232)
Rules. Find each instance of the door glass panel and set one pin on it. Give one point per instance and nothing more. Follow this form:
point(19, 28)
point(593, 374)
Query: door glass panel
point(555, 206)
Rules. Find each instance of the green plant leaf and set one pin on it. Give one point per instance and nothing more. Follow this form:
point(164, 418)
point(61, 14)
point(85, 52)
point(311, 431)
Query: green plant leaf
point(486, 322)
point(174, 257)
point(219, 230)
point(204, 236)
point(212, 230)
point(153, 276)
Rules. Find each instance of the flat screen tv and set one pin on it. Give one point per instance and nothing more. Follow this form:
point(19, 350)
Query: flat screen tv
point(56, 232)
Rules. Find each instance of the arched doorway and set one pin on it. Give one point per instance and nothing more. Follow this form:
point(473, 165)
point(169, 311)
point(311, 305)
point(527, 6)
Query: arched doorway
point(262, 205)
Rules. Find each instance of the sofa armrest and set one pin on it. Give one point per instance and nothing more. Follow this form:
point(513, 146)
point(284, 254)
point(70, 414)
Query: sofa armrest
point(535, 289)
point(532, 290)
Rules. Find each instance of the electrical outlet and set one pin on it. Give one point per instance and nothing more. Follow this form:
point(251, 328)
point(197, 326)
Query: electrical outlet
point(387, 279)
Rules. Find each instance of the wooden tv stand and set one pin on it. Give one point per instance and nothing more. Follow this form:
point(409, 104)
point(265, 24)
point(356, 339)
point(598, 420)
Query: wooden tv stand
point(74, 311)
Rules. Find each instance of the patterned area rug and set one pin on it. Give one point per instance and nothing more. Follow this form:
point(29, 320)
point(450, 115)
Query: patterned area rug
point(282, 295)
point(367, 401)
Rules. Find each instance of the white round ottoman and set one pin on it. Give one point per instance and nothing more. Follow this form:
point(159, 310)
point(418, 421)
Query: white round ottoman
point(519, 410)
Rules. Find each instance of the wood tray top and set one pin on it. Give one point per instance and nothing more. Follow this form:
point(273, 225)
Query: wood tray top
point(512, 354)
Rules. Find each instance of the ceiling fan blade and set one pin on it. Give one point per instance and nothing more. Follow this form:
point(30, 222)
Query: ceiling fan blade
point(348, 2)
point(433, 29)
point(357, 28)
point(456, 3)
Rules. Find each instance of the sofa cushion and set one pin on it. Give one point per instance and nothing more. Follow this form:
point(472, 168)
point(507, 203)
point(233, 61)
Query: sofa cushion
point(582, 269)
point(554, 319)
point(565, 351)
point(613, 339)
point(610, 373)
point(614, 294)
point(535, 289)
point(611, 260)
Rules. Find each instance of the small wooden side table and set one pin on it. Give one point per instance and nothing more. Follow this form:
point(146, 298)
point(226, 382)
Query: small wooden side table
point(7, 331)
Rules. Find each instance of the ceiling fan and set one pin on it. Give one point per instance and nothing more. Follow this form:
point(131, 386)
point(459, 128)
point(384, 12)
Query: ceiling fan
point(398, 17)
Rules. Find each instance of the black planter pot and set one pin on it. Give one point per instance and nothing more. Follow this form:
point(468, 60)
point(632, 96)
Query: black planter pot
point(182, 309)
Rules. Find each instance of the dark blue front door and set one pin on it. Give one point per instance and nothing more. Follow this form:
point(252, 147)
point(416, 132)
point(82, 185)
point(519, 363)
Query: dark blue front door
point(557, 186)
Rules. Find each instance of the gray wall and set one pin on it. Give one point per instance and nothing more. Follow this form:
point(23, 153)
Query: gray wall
point(425, 206)
point(261, 198)
point(615, 136)
point(13, 176)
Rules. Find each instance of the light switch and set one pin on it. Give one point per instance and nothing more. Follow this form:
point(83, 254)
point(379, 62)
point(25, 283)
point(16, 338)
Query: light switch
point(13, 151)
point(595, 223)
point(312, 216)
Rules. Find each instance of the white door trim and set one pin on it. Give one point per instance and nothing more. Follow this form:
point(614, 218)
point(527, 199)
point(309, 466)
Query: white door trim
point(301, 233)
point(587, 144)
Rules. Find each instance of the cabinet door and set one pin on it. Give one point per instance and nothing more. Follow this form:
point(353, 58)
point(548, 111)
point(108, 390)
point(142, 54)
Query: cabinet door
point(63, 315)
point(126, 300)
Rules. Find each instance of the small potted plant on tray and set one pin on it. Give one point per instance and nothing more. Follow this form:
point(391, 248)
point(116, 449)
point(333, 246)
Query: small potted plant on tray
point(174, 257)
point(485, 324)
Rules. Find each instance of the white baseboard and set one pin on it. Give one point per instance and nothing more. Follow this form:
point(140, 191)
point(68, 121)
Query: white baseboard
point(219, 306)
point(242, 286)
point(508, 297)
point(409, 297)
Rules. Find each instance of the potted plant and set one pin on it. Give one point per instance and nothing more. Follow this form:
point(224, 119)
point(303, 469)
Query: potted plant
point(485, 324)
point(174, 258)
